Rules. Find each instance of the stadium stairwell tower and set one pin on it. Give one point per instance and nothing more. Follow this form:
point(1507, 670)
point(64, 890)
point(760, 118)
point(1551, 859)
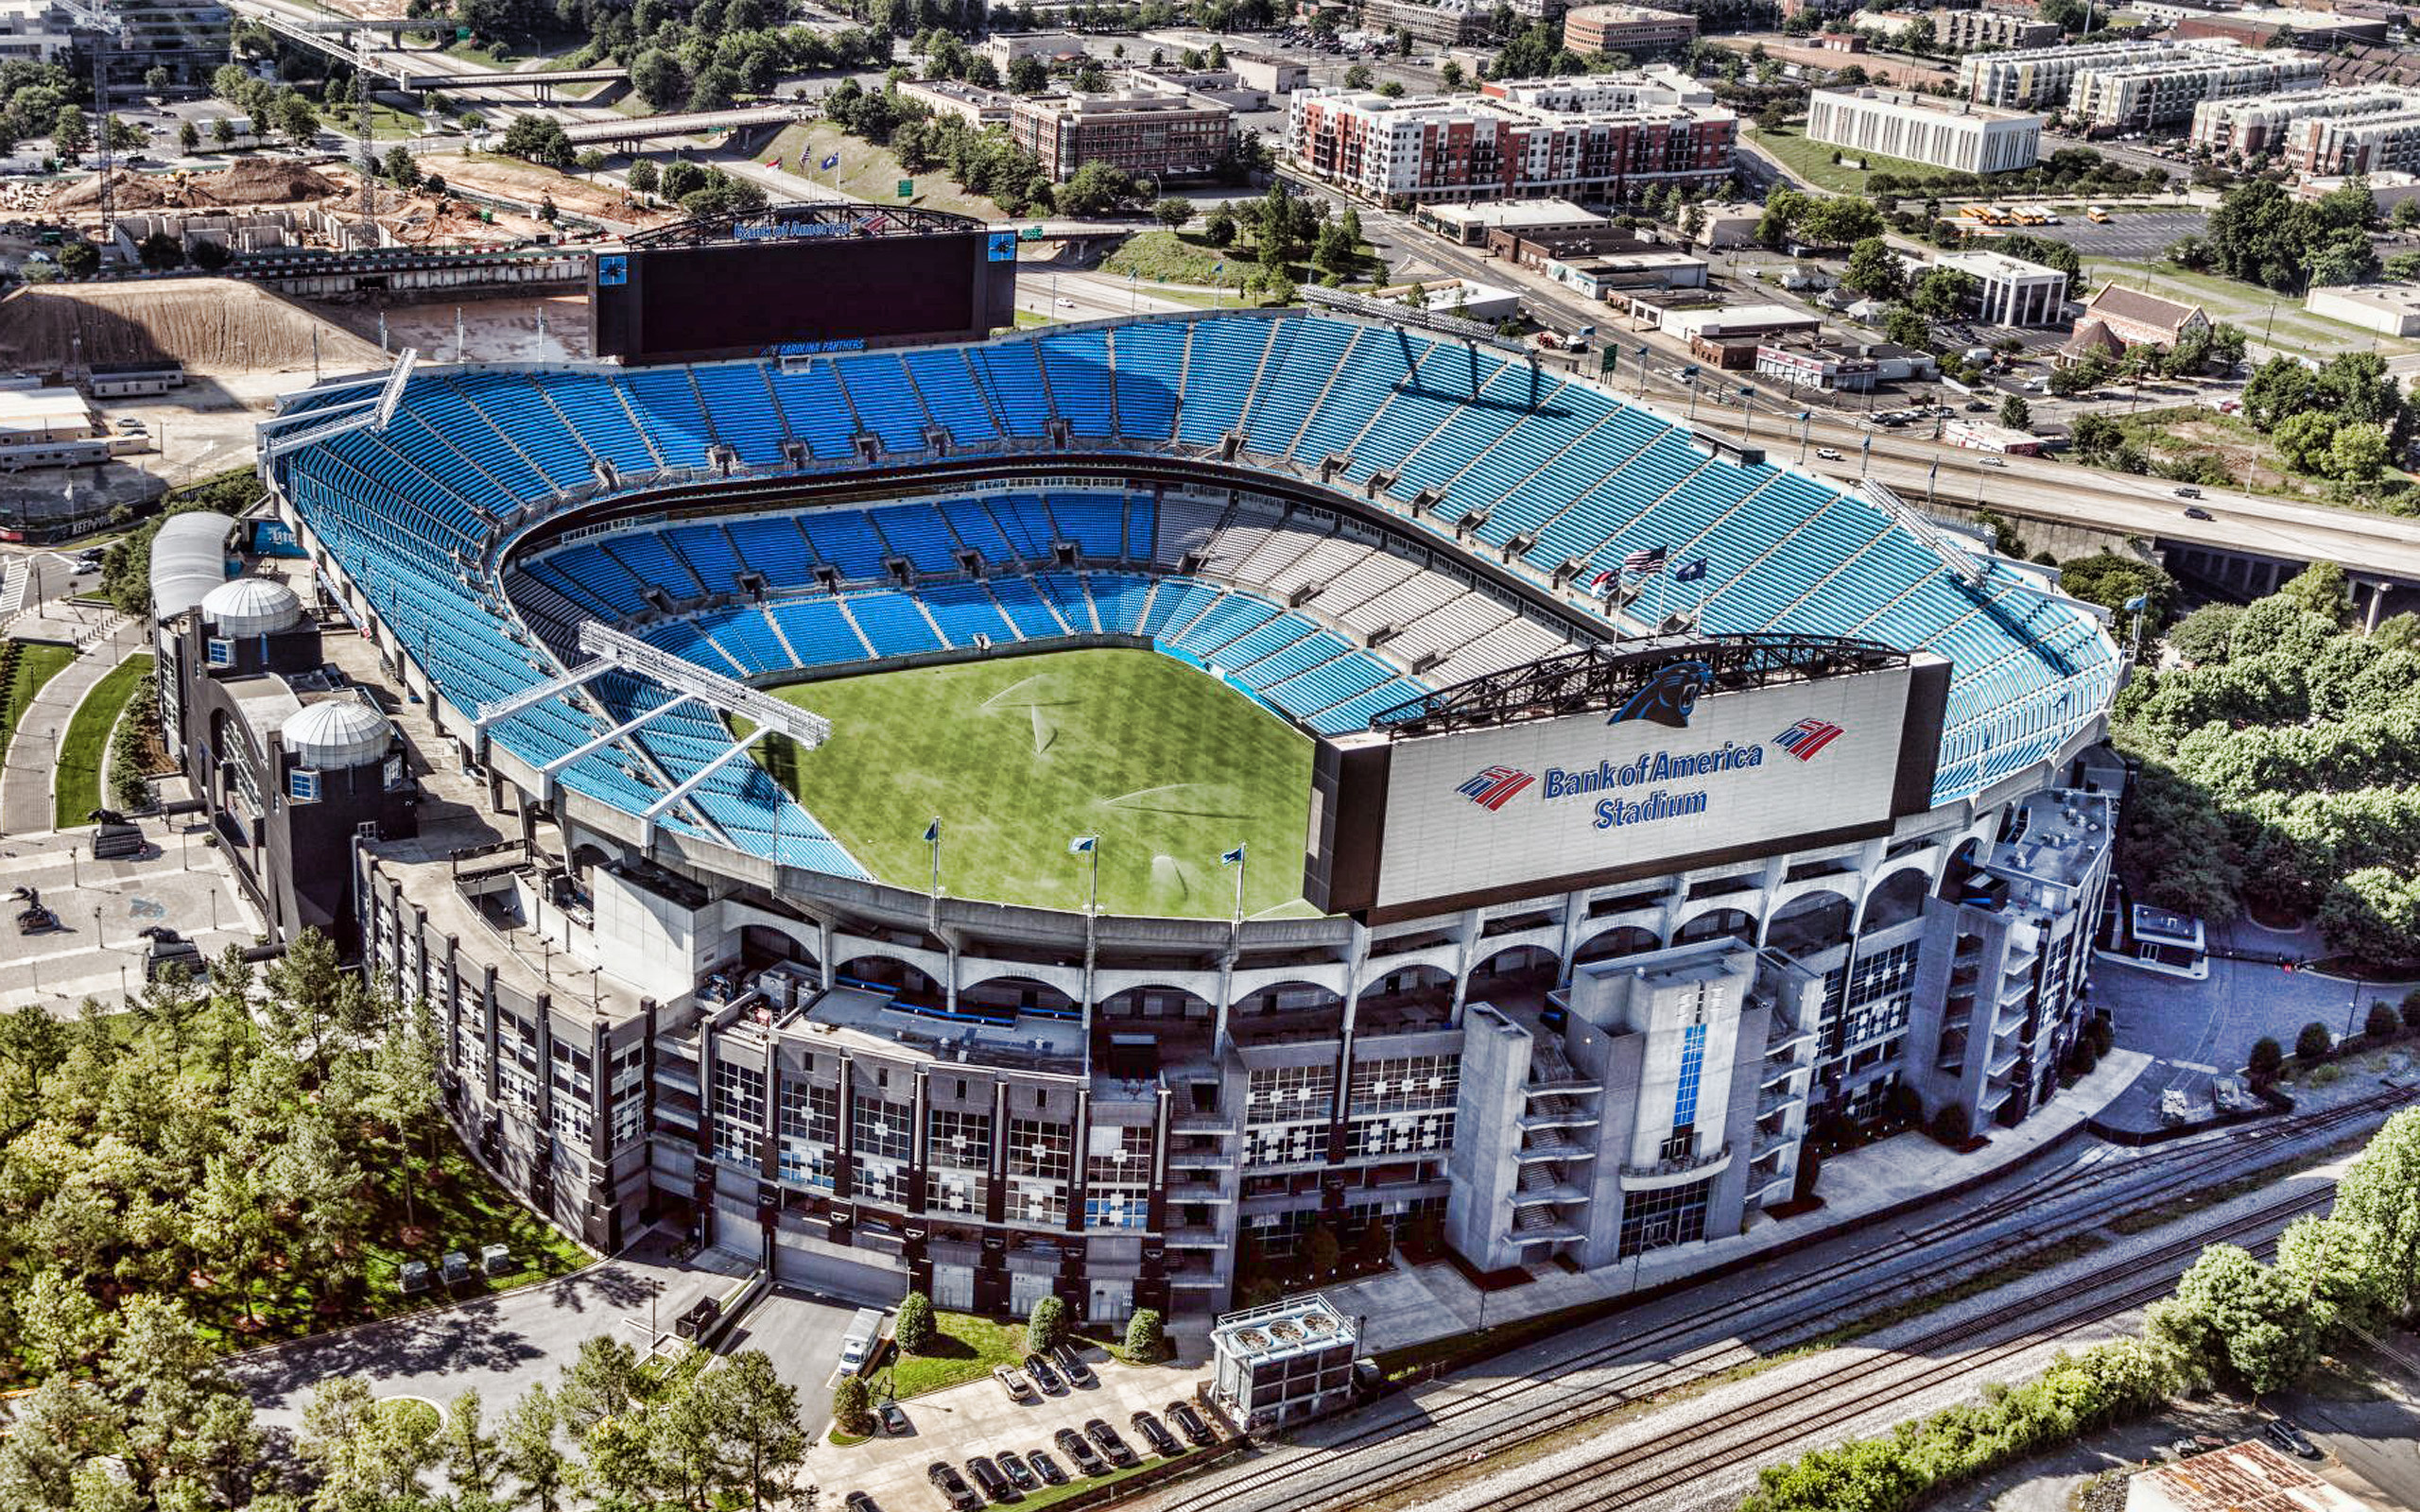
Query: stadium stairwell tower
point(1605, 912)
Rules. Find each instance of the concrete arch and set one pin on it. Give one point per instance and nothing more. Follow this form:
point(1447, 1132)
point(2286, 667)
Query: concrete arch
point(880, 971)
point(1718, 923)
point(1154, 1000)
point(1016, 991)
point(1812, 922)
point(1615, 943)
point(763, 943)
point(1406, 997)
point(1959, 867)
point(1515, 967)
point(1895, 900)
point(1286, 1010)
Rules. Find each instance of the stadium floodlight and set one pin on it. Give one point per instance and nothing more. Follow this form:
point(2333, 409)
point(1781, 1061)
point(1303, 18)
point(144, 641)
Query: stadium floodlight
point(504, 708)
point(661, 666)
point(1369, 309)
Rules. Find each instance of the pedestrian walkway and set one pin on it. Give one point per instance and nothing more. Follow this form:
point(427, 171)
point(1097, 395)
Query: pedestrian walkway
point(1413, 1305)
point(33, 750)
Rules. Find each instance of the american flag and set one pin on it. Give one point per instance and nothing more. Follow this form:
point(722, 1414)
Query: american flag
point(1649, 560)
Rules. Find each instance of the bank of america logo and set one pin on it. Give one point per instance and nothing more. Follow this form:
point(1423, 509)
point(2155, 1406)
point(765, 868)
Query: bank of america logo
point(1494, 788)
point(1807, 737)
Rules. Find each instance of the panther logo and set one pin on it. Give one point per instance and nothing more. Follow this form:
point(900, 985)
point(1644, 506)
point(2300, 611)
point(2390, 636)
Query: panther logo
point(1668, 697)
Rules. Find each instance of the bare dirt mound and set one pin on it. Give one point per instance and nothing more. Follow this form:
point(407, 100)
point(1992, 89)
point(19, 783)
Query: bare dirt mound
point(248, 181)
point(209, 324)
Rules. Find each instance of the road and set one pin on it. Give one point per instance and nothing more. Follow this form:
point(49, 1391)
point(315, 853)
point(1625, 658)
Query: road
point(1424, 1435)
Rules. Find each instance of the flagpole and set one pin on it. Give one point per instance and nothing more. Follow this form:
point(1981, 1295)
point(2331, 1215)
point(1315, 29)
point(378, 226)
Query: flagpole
point(933, 907)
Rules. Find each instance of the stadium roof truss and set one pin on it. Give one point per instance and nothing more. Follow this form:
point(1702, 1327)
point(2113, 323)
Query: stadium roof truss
point(802, 220)
point(1603, 677)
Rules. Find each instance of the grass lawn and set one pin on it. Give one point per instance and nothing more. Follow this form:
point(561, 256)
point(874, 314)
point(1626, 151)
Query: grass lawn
point(76, 783)
point(1812, 160)
point(456, 1205)
point(2250, 463)
point(38, 661)
point(1164, 256)
point(1021, 754)
point(965, 1348)
point(1052, 1495)
point(867, 171)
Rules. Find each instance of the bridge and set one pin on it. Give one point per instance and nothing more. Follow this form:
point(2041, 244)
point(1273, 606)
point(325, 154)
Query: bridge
point(333, 39)
point(688, 123)
point(541, 80)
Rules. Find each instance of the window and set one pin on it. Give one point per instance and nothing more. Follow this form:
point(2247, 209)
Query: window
point(959, 1139)
point(1287, 1094)
point(574, 1093)
point(1039, 1148)
point(1684, 1095)
point(880, 1129)
point(1404, 1084)
point(739, 1144)
point(738, 1095)
point(954, 1191)
point(1655, 1220)
point(1119, 1156)
point(809, 1111)
point(1115, 1209)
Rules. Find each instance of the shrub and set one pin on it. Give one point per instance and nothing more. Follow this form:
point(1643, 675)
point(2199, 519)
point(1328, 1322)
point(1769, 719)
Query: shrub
point(1953, 1126)
point(2267, 1058)
point(913, 1332)
point(2098, 1034)
point(2411, 1008)
point(1147, 1335)
point(1046, 1327)
point(2381, 1023)
point(2314, 1042)
point(2082, 1059)
point(853, 1407)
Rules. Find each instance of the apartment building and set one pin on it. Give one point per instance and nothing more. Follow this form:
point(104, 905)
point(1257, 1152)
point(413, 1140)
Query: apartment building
point(1965, 31)
point(1437, 22)
point(2130, 84)
point(1606, 136)
point(1959, 135)
point(1626, 29)
point(2269, 123)
point(1146, 132)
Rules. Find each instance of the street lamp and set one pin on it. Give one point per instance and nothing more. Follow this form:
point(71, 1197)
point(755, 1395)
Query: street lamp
point(1747, 409)
point(1805, 423)
point(1640, 352)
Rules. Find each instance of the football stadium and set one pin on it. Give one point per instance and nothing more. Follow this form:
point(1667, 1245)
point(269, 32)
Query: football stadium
point(1078, 810)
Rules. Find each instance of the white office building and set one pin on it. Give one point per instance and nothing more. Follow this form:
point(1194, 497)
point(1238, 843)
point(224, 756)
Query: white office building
point(2012, 291)
point(1959, 135)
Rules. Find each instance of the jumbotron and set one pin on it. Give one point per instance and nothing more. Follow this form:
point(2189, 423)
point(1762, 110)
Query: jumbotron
point(866, 979)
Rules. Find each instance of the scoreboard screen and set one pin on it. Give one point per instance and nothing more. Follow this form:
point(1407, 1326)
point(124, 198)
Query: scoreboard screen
point(800, 287)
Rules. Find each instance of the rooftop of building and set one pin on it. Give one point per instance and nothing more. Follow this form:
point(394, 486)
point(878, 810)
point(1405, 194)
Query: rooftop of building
point(2400, 298)
point(2055, 837)
point(1928, 104)
point(1282, 1329)
point(1985, 264)
point(2246, 1477)
point(1601, 15)
point(1517, 215)
point(2140, 306)
point(1031, 1042)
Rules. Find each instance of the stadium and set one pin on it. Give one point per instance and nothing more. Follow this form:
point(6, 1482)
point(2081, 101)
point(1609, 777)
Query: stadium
point(1076, 811)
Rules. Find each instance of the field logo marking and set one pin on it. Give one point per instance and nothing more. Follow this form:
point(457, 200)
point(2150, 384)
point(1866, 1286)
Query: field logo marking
point(1495, 788)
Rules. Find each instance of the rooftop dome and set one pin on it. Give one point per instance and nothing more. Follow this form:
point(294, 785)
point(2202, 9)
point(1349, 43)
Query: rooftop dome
point(336, 732)
point(250, 605)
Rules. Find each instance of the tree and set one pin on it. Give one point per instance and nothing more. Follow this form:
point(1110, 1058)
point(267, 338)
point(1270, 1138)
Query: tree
point(2357, 454)
point(602, 1381)
point(2016, 413)
point(80, 259)
point(641, 177)
point(547, 211)
point(2375, 1195)
point(2303, 440)
point(526, 1450)
point(2381, 1022)
point(753, 1412)
point(1908, 329)
point(659, 79)
point(1028, 76)
point(1172, 211)
point(402, 168)
point(298, 121)
point(123, 135)
point(913, 1331)
point(1045, 1326)
point(1357, 77)
point(853, 1406)
point(1219, 226)
point(1942, 292)
point(2236, 1316)
point(71, 133)
point(1147, 1336)
point(188, 138)
point(1875, 271)
point(2313, 1043)
point(59, 1324)
point(2412, 1010)
point(1321, 1251)
point(539, 139)
point(160, 252)
point(1952, 1124)
point(474, 1457)
point(222, 130)
point(2266, 1059)
point(2201, 638)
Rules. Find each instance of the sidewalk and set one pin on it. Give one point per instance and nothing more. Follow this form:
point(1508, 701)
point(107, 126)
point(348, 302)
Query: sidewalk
point(33, 751)
point(1409, 1306)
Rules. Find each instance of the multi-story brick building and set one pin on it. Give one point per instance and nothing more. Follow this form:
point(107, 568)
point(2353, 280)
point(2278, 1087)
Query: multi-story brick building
point(1169, 134)
point(1626, 29)
point(1607, 136)
point(2273, 122)
point(1965, 30)
point(1438, 22)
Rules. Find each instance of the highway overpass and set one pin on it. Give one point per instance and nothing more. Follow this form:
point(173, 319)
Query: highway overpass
point(686, 123)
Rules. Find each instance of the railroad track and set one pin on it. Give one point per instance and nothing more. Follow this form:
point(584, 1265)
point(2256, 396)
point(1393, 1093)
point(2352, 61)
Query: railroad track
point(1507, 1414)
point(1655, 1469)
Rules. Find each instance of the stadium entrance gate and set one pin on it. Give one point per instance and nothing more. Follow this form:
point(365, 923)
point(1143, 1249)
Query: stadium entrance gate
point(954, 1287)
point(796, 1264)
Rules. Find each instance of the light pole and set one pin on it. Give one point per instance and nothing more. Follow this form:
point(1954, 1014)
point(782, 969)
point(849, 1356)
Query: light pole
point(1747, 409)
point(1805, 423)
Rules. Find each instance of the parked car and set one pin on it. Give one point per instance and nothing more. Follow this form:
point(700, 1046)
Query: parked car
point(988, 1476)
point(1190, 1423)
point(1046, 1466)
point(1071, 1364)
point(1112, 1447)
point(893, 1419)
point(953, 1486)
point(1157, 1434)
point(1018, 1388)
point(1015, 1469)
point(859, 1502)
point(1048, 1379)
point(1081, 1452)
point(2283, 1433)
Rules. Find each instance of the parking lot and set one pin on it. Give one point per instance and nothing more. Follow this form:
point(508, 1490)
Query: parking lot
point(2133, 235)
point(801, 1333)
point(978, 1418)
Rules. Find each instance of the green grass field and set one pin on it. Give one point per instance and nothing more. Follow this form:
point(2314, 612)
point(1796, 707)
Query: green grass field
point(38, 661)
point(76, 784)
point(1021, 754)
point(1812, 160)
